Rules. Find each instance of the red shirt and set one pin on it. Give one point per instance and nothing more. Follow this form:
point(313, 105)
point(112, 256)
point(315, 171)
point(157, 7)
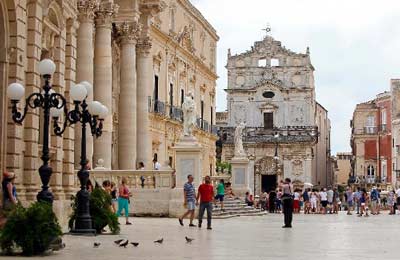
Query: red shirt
point(206, 192)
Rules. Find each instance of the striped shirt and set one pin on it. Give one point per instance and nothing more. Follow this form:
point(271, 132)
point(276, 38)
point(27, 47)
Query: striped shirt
point(190, 191)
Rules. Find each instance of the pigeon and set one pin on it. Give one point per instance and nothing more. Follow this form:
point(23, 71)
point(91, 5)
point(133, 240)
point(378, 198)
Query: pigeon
point(96, 244)
point(159, 241)
point(135, 244)
point(124, 244)
point(118, 241)
point(189, 240)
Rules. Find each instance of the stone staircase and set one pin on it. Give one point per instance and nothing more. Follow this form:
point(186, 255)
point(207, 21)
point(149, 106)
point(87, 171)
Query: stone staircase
point(235, 208)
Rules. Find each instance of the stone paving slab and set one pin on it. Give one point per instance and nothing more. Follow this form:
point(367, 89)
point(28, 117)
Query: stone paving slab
point(247, 238)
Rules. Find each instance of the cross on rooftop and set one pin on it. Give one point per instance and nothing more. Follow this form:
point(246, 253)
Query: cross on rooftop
point(267, 29)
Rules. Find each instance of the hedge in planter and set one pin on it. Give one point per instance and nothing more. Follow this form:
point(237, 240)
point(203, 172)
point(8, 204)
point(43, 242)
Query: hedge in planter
point(32, 229)
point(100, 211)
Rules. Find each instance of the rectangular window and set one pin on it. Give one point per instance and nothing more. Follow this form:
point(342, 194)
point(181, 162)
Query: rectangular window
point(370, 125)
point(268, 120)
point(155, 94)
point(274, 62)
point(202, 113)
point(171, 97)
point(182, 96)
point(212, 116)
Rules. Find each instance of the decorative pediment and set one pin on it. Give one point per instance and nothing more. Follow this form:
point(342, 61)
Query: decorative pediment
point(185, 39)
point(268, 106)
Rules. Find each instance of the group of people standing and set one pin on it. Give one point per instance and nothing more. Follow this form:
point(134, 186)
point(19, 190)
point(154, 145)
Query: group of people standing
point(120, 196)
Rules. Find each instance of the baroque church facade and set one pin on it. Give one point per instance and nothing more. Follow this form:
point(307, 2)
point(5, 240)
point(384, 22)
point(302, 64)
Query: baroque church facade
point(271, 89)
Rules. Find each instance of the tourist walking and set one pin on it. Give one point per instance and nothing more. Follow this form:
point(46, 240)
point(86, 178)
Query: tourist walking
point(364, 200)
point(271, 198)
point(329, 196)
point(123, 200)
point(220, 193)
point(9, 191)
point(189, 198)
point(296, 202)
point(314, 201)
point(324, 200)
point(205, 195)
point(398, 199)
point(287, 200)
point(349, 200)
point(306, 199)
point(114, 197)
point(374, 200)
point(357, 198)
point(390, 202)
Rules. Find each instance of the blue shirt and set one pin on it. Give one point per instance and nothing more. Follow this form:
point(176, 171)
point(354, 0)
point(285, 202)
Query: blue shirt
point(190, 191)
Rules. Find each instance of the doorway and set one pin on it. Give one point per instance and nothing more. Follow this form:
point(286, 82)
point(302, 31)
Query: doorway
point(268, 182)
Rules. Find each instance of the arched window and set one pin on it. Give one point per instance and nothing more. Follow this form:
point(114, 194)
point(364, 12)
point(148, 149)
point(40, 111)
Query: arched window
point(370, 171)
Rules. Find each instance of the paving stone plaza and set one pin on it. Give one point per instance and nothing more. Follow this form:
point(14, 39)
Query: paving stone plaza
point(251, 238)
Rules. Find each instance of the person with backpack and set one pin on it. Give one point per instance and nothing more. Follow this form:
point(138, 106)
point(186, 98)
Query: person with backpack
point(287, 199)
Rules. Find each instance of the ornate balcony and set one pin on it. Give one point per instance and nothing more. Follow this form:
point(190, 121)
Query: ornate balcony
point(287, 134)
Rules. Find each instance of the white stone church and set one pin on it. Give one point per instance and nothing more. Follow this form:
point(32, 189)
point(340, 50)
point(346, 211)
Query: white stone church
point(271, 89)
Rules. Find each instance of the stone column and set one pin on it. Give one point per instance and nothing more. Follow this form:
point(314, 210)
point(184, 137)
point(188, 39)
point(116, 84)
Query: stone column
point(240, 175)
point(145, 83)
point(128, 33)
point(84, 69)
point(103, 78)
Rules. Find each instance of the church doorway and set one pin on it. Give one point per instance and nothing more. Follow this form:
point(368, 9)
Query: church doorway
point(268, 182)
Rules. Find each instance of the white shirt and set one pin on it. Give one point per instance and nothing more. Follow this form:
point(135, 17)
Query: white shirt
point(323, 195)
point(296, 196)
point(398, 192)
point(157, 166)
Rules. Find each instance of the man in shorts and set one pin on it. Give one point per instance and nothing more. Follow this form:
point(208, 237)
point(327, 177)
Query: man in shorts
point(220, 193)
point(189, 194)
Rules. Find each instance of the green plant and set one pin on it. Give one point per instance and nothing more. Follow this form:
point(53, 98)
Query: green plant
point(224, 166)
point(32, 229)
point(100, 212)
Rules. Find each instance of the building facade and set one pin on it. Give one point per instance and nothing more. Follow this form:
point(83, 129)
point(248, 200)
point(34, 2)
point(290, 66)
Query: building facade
point(343, 171)
point(371, 141)
point(395, 99)
point(142, 57)
point(271, 89)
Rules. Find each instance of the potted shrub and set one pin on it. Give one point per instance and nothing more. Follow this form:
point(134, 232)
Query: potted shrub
point(100, 211)
point(32, 229)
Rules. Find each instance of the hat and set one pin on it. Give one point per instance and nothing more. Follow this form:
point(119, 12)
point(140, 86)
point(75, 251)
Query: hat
point(9, 175)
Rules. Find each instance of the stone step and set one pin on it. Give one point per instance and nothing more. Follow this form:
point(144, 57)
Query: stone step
point(258, 213)
point(233, 208)
point(235, 212)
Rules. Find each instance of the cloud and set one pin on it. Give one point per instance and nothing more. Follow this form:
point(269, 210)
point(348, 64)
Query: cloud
point(355, 46)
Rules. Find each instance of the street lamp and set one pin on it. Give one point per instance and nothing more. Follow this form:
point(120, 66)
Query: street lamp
point(92, 114)
point(49, 101)
point(54, 105)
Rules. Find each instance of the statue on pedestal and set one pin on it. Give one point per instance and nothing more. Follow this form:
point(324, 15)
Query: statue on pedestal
point(189, 114)
point(239, 150)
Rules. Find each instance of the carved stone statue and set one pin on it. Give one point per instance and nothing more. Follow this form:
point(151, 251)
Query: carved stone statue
point(239, 151)
point(189, 114)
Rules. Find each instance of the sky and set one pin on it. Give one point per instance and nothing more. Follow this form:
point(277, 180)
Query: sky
point(354, 45)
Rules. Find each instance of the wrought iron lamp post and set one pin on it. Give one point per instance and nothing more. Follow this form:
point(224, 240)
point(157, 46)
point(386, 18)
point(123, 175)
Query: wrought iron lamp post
point(50, 102)
point(92, 114)
point(54, 105)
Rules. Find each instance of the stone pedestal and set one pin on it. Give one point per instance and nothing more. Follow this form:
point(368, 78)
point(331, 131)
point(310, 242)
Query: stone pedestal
point(240, 175)
point(188, 161)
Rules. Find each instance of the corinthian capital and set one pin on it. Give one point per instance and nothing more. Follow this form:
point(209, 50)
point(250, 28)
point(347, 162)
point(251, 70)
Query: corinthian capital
point(107, 9)
point(144, 45)
point(86, 9)
point(128, 31)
